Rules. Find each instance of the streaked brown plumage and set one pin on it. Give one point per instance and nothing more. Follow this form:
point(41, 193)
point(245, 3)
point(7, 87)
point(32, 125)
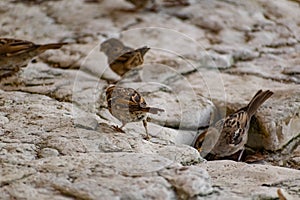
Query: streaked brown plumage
point(229, 135)
point(15, 54)
point(121, 58)
point(127, 105)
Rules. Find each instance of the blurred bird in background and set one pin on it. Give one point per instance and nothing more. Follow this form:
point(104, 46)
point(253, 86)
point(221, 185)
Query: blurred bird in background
point(15, 54)
point(121, 58)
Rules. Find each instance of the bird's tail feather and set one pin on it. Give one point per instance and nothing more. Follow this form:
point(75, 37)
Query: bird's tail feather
point(45, 47)
point(259, 98)
point(152, 110)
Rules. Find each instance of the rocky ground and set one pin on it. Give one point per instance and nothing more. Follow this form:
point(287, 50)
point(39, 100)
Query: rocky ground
point(206, 59)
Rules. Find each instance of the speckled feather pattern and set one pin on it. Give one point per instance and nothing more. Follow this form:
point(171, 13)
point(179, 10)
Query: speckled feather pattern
point(127, 105)
point(229, 135)
point(121, 58)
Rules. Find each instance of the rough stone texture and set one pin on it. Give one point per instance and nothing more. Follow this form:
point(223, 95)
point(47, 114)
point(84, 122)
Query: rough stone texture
point(252, 181)
point(206, 59)
point(102, 176)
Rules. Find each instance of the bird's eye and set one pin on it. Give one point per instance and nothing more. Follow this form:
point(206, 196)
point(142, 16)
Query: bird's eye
point(117, 49)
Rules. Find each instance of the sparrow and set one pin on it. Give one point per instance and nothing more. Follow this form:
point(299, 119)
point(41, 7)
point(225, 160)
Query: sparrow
point(121, 58)
point(15, 54)
point(127, 105)
point(229, 135)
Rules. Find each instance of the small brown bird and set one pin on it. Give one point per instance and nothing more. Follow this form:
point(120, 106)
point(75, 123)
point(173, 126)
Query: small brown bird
point(15, 54)
point(229, 135)
point(121, 58)
point(127, 105)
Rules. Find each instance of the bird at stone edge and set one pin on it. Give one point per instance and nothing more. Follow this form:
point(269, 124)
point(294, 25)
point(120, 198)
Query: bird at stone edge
point(229, 135)
point(121, 58)
point(15, 54)
point(127, 105)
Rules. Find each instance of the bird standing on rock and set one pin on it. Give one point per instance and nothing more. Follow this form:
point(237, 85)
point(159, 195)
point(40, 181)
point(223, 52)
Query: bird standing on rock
point(15, 54)
point(121, 58)
point(127, 105)
point(229, 135)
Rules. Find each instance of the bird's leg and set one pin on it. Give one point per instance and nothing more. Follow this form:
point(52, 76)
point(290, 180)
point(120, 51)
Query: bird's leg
point(240, 156)
point(145, 125)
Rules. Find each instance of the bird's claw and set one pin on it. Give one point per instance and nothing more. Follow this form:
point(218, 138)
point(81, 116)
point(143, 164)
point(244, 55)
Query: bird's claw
point(116, 128)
